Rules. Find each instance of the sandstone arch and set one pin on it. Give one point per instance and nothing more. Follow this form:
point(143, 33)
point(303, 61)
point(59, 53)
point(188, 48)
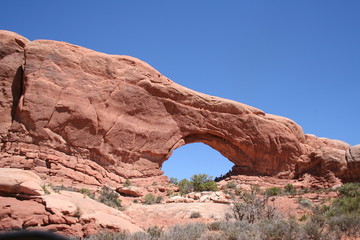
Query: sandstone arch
point(224, 147)
point(123, 118)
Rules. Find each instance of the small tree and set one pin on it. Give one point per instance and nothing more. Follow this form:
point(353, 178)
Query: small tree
point(203, 182)
point(185, 186)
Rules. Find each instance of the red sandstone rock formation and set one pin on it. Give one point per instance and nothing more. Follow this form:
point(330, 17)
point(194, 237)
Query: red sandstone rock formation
point(74, 114)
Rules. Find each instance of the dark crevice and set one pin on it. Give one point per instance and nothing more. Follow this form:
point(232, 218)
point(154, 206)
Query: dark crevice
point(16, 90)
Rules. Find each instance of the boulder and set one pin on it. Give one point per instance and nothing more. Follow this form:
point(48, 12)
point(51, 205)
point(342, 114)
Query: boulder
point(353, 161)
point(130, 191)
point(18, 181)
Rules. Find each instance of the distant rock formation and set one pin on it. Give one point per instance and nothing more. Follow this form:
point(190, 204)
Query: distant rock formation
point(74, 114)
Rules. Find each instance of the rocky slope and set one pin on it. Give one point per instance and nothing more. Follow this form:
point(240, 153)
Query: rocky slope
point(75, 115)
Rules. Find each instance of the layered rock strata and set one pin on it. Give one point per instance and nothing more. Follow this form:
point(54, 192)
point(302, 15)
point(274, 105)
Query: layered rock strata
point(72, 113)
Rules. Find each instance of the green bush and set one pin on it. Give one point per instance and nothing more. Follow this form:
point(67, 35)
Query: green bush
point(273, 191)
point(185, 186)
point(197, 183)
point(149, 199)
point(203, 182)
point(349, 190)
point(290, 189)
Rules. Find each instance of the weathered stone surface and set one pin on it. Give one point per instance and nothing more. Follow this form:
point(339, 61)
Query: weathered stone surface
point(353, 159)
point(16, 214)
point(130, 191)
point(18, 181)
point(97, 118)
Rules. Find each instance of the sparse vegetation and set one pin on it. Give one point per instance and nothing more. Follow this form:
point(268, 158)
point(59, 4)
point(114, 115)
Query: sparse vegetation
point(304, 202)
point(127, 183)
point(254, 217)
point(109, 197)
point(273, 191)
point(45, 189)
point(169, 192)
point(64, 188)
point(230, 185)
point(290, 189)
point(158, 199)
point(195, 215)
point(77, 212)
point(252, 207)
point(87, 193)
point(149, 199)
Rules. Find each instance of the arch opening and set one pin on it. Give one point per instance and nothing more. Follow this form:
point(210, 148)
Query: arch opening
point(196, 158)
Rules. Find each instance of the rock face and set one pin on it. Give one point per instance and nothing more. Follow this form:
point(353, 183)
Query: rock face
point(81, 116)
point(18, 181)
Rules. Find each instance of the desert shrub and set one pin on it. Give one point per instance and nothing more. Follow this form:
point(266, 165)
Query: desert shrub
point(279, 229)
point(45, 189)
point(169, 192)
point(77, 212)
point(87, 192)
point(149, 199)
point(239, 230)
point(127, 183)
point(290, 189)
point(65, 188)
point(105, 235)
point(139, 236)
point(109, 197)
point(214, 226)
point(314, 229)
point(212, 236)
point(154, 232)
point(273, 191)
point(345, 224)
point(195, 215)
point(252, 207)
point(349, 190)
point(158, 199)
point(230, 185)
point(185, 187)
point(304, 202)
point(189, 231)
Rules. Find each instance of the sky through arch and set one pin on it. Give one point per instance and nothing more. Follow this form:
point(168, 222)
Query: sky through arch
point(195, 158)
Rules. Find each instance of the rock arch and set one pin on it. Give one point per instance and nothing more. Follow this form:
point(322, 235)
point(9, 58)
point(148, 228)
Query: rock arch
point(122, 116)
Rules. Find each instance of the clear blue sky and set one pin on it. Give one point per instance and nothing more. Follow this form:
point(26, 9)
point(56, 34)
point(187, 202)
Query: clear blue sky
point(298, 59)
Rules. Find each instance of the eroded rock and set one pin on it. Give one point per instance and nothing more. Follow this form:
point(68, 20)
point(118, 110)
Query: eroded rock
point(102, 118)
point(18, 181)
